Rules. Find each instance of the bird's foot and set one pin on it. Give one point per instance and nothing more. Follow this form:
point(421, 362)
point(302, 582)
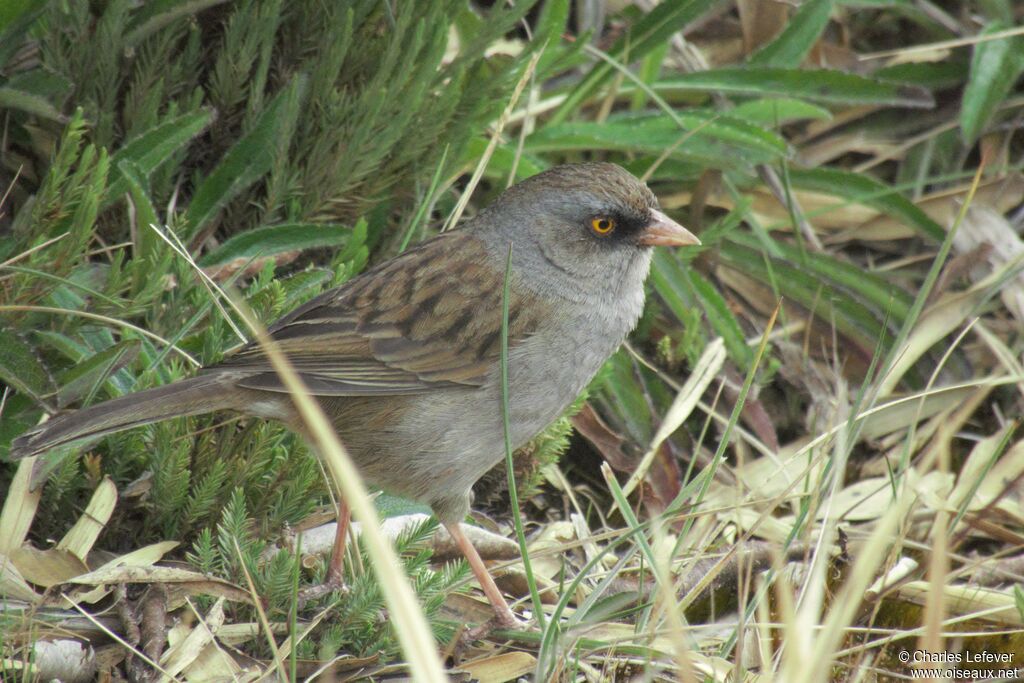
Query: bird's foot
point(505, 620)
point(312, 593)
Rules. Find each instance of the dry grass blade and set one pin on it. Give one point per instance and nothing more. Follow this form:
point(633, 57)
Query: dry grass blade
point(19, 508)
point(81, 537)
point(687, 398)
point(943, 45)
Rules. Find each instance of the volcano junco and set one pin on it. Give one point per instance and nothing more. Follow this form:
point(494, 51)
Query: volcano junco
point(405, 357)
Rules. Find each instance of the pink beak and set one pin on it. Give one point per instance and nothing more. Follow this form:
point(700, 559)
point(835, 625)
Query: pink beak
point(665, 232)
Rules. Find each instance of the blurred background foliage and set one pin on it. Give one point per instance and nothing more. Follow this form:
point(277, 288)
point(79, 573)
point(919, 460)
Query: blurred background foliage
point(287, 145)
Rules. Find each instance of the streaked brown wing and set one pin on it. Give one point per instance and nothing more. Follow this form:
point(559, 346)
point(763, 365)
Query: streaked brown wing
point(405, 327)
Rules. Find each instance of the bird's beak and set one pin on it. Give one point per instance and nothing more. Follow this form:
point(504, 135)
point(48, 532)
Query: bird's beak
point(662, 231)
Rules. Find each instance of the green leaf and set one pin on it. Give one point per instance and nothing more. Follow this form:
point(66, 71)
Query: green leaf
point(248, 160)
point(552, 20)
point(84, 379)
point(551, 23)
point(649, 33)
point(145, 214)
point(19, 367)
point(270, 240)
point(854, 320)
point(702, 134)
point(618, 380)
point(931, 75)
point(684, 288)
point(863, 189)
point(871, 289)
point(147, 151)
point(790, 47)
point(995, 67)
point(774, 111)
point(817, 85)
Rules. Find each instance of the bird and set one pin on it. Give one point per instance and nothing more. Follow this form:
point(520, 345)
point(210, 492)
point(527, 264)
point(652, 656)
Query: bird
point(404, 358)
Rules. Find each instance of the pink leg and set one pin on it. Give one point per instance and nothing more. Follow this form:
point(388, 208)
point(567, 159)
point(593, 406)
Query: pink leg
point(335, 576)
point(504, 616)
point(335, 579)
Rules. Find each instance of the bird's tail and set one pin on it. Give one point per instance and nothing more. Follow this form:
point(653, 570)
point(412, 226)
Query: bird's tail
point(202, 394)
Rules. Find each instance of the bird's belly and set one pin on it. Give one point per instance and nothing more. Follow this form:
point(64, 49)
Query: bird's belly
point(433, 447)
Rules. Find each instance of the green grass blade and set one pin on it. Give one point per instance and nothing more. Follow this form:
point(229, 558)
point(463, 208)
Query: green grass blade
point(148, 151)
point(816, 85)
point(271, 240)
point(802, 31)
point(864, 189)
point(995, 67)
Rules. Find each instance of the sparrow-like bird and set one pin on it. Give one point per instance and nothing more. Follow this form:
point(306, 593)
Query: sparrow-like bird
point(404, 358)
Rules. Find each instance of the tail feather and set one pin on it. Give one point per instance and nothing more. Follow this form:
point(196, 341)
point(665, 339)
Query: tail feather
point(202, 394)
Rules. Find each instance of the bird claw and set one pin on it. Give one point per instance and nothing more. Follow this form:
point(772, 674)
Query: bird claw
point(312, 593)
point(507, 622)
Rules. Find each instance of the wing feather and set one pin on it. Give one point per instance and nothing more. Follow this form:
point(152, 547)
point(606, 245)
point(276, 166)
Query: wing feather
point(404, 327)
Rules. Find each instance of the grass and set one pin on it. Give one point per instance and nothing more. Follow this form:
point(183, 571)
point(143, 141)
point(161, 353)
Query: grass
point(805, 465)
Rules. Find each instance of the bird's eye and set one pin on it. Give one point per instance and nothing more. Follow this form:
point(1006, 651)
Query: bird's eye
point(602, 225)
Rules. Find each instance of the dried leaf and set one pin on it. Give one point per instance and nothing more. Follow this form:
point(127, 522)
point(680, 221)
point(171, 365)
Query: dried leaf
point(499, 668)
point(48, 568)
point(81, 537)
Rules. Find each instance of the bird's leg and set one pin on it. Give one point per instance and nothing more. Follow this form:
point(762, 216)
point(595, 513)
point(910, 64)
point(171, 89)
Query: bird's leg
point(504, 616)
point(335, 579)
point(335, 576)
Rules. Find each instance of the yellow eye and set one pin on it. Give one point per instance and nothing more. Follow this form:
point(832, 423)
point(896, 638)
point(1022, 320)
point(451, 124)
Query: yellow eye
point(602, 225)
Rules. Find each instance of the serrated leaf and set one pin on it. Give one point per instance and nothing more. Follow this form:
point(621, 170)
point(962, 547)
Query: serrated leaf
point(790, 47)
point(817, 85)
point(277, 239)
point(147, 151)
point(248, 160)
point(995, 67)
